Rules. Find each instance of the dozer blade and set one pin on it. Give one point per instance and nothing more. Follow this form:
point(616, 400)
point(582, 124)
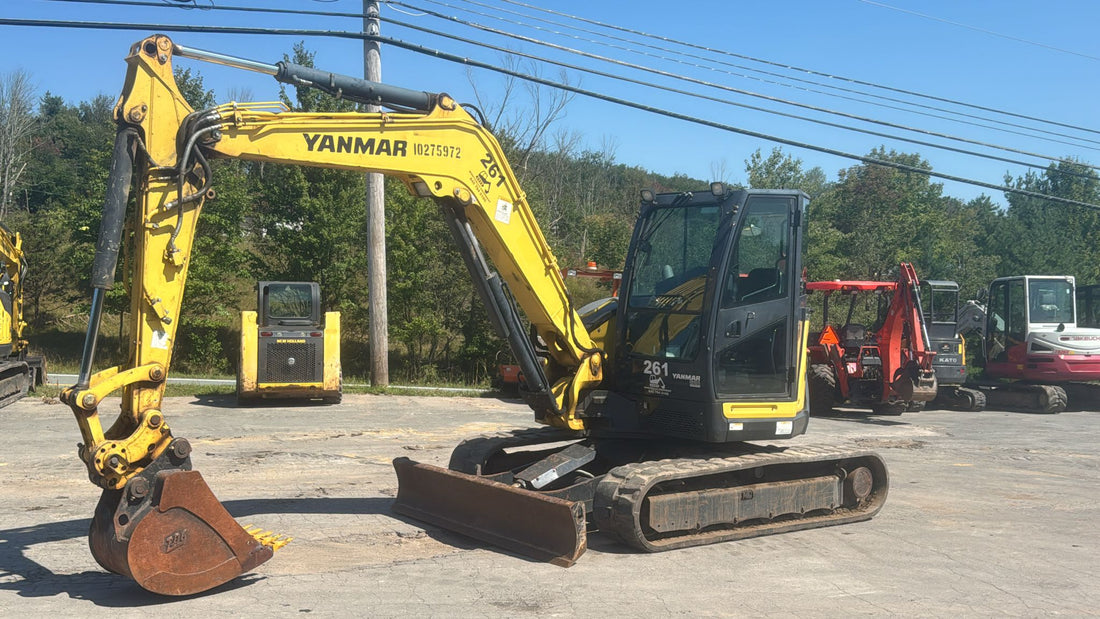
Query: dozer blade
point(172, 536)
point(542, 527)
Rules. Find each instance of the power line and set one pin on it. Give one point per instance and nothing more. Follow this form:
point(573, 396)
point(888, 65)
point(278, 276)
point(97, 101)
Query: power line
point(795, 79)
point(977, 29)
point(716, 61)
point(728, 89)
point(801, 69)
point(545, 82)
point(731, 89)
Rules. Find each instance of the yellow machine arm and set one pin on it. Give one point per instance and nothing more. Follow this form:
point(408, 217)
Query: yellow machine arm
point(441, 152)
point(13, 269)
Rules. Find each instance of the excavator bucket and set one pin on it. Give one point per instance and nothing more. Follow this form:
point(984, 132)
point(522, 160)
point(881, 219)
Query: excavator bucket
point(542, 527)
point(172, 536)
point(915, 384)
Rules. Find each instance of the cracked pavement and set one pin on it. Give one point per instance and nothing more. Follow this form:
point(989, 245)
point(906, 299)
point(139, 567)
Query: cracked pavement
point(989, 513)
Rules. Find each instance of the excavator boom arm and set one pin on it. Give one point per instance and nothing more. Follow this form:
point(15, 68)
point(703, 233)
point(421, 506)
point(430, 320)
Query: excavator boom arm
point(903, 339)
point(441, 153)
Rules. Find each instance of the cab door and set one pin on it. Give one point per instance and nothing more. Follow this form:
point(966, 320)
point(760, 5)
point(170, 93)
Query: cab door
point(756, 330)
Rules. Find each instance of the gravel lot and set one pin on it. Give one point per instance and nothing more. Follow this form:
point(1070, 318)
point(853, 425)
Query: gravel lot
point(989, 513)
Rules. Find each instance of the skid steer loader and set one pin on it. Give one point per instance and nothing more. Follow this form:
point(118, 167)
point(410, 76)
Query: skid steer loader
point(288, 350)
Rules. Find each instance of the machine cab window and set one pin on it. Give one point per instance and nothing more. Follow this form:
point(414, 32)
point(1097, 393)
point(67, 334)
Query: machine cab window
point(1050, 301)
point(754, 350)
point(289, 303)
point(665, 300)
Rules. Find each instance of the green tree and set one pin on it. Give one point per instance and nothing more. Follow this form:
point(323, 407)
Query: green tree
point(883, 215)
point(66, 182)
point(822, 244)
point(191, 87)
point(1041, 237)
point(782, 171)
point(309, 223)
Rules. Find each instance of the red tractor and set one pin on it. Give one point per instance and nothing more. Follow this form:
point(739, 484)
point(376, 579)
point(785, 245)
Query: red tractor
point(886, 365)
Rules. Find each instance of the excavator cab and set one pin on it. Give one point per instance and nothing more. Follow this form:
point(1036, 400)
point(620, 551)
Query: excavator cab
point(711, 315)
point(1032, 332)
point(940, 303)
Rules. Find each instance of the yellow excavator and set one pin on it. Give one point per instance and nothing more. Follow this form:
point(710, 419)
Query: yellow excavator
point(19, 371)
point(289, 349)
point(648, 399)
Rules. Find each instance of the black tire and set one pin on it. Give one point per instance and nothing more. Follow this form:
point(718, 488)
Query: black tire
point(1053, 400)
point(822, 389)
point(914, 406)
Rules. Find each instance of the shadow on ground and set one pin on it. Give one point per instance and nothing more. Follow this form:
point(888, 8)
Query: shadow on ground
point(21, 574)
point(865, 417)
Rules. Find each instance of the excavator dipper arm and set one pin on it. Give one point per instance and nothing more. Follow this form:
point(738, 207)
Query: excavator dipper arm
point(903, 338)
point(157, 521)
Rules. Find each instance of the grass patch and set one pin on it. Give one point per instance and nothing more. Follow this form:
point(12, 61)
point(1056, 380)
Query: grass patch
point(179, 390)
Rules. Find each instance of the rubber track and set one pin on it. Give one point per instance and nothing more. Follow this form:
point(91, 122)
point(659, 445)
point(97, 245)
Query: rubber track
point(15, 382)
point(1043, 399)
point(620, 495)
point(1057, 400)
point(1082, 396)
point(979, 399)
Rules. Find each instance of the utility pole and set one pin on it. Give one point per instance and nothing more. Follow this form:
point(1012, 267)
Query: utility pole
point(376, 221)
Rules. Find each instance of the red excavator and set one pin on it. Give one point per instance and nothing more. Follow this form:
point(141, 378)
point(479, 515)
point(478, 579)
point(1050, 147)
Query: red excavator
point(1038, 357)
point(887, 365)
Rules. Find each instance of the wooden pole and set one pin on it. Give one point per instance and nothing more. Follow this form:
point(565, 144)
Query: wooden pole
point(376, 221)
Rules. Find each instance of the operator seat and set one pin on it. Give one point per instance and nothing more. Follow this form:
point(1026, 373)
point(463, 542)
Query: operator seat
point(853, 335)
point(759, 282)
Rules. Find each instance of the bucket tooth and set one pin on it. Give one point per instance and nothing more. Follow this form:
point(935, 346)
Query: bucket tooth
point(267, 538)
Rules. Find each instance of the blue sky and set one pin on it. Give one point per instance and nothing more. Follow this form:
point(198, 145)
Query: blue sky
point(1031, 58)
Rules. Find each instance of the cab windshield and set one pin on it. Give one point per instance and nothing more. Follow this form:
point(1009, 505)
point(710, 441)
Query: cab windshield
point(670, 269)
point(674, 249)
point(290, 301)
point(1050, 300)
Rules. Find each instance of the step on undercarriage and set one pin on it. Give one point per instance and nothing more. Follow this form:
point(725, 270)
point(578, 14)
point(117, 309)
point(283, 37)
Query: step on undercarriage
point(522, 492)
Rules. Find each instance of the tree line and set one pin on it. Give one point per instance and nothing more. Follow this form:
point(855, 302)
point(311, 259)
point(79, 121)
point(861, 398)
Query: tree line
point(271, 222)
